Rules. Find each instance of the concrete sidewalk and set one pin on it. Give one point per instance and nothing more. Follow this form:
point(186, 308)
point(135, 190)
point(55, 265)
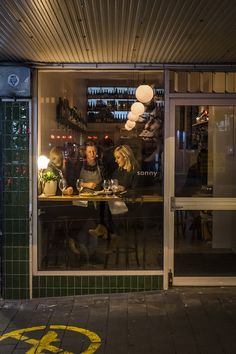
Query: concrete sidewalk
point(180, 320)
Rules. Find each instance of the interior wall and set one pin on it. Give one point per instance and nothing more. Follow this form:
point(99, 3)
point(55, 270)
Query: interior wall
point(51, 87)
point(73, 86)
point(224, 173)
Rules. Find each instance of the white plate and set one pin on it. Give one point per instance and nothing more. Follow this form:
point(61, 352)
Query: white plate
point(102, 192)
point(86, 194)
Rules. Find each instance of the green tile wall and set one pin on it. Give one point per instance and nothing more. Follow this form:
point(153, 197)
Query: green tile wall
point(46, 286)
point(14, 120)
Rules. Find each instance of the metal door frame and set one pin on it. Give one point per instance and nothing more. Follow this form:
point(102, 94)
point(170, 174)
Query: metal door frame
point(171, 203)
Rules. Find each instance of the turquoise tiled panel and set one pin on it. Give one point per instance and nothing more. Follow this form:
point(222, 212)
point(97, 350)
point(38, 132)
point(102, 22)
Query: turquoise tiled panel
point(14, 122)
point(46, 286)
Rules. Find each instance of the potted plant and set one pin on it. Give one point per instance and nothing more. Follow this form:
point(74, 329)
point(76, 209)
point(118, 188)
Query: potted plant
point(50, 183)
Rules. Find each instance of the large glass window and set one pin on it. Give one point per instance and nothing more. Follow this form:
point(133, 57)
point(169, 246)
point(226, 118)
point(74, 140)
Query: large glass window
point(205, 151)
point(106, 209)
point(205, 243)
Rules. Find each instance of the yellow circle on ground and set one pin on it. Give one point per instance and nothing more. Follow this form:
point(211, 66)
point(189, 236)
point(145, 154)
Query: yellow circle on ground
point(51, 337)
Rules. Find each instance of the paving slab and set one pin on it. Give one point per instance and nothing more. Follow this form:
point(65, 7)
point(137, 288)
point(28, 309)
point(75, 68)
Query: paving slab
point(178, 321)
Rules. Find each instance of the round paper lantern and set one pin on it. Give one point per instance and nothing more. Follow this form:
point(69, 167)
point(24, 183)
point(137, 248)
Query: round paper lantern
point(144, 93)
point(130, 124)
point(126, 127)
point(132, 117)
point(137, 108)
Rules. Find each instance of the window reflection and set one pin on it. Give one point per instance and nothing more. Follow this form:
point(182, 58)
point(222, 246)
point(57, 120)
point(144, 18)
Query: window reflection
point(204, 153)
point(204, 243)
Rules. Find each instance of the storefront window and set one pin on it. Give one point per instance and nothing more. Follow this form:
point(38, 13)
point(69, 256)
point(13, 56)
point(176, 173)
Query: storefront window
point(100, 184)
point(204, 153)
point(204, 243)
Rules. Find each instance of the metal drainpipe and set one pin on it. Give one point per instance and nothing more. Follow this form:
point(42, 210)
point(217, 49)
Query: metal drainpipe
point(30, 203)
point(1, 272)
point(1, 213)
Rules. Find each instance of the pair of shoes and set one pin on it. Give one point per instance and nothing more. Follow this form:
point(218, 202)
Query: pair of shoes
point(99, 231)
point(73, 246)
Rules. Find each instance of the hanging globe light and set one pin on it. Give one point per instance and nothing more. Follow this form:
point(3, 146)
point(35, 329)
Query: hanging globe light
point(137, 108)
point(126, 127)
point(144, 93)
point(130, 124)
point(132, 117)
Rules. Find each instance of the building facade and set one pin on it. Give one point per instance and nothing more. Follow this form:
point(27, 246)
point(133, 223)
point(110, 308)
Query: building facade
point(179, 226)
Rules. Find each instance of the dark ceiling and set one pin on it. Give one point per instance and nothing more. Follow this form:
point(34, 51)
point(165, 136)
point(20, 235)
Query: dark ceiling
point(118, 31)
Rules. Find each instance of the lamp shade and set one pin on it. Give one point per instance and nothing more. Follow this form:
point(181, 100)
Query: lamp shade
point(126, 127)
point(137, 108)
point(132, 117)
point(144, 93)
point(42, 162)
point(130, 124)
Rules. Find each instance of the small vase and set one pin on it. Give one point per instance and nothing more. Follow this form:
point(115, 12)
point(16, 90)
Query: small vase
point(50, 188)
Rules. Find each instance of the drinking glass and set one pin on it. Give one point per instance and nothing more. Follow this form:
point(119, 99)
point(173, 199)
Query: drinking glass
point(62, 185)
point(78, 185)
point(106, 186)
point(114, 185)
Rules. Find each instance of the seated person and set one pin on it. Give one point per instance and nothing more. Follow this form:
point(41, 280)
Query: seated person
point(126, 174)
point(58, 166)
point(90, 171)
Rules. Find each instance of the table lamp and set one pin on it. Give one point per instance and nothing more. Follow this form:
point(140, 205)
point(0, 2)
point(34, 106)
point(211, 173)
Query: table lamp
point(42, 165)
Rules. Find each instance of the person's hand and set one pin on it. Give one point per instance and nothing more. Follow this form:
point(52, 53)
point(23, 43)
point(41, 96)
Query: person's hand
point(120, 188)
point(90, 185)
point(68, 191)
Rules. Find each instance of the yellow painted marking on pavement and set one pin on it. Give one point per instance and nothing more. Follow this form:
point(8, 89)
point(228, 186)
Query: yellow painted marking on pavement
point(45, 343)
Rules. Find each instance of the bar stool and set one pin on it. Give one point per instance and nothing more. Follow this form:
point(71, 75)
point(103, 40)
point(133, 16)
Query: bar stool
point(129, 226)
point(54, 244)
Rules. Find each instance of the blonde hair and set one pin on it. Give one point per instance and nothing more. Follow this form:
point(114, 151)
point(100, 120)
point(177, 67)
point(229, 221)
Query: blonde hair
point(130, 161)
point(58, 151)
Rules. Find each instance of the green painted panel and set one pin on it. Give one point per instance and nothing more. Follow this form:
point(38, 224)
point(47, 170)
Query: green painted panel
point(14, 122)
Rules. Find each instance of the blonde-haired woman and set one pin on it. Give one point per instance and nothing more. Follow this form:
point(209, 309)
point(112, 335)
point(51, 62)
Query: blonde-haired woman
point(126, 174)
point(58, 166)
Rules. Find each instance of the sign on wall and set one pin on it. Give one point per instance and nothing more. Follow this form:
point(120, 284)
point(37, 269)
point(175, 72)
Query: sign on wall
point(14, 81)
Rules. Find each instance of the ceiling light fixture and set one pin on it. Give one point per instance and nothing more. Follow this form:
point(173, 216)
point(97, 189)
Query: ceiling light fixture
point(137, 108)
point(144, 93)
point(127, 127)
point(132, 117)
point(129, 124)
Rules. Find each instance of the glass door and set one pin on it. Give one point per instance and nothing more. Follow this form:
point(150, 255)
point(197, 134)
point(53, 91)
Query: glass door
point(203, 202)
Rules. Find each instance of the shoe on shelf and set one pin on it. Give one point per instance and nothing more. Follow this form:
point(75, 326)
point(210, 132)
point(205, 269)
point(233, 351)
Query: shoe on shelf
point(99, 231)
point(73, 246)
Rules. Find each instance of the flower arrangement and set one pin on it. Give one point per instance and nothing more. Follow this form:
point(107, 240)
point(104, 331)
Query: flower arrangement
point(49, 185)
point(49, 176)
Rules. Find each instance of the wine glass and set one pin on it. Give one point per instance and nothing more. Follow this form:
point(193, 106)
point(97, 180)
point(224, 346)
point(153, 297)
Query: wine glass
point(62, 185)
point(114, 185)
point(78, 185)
point(106, 186)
